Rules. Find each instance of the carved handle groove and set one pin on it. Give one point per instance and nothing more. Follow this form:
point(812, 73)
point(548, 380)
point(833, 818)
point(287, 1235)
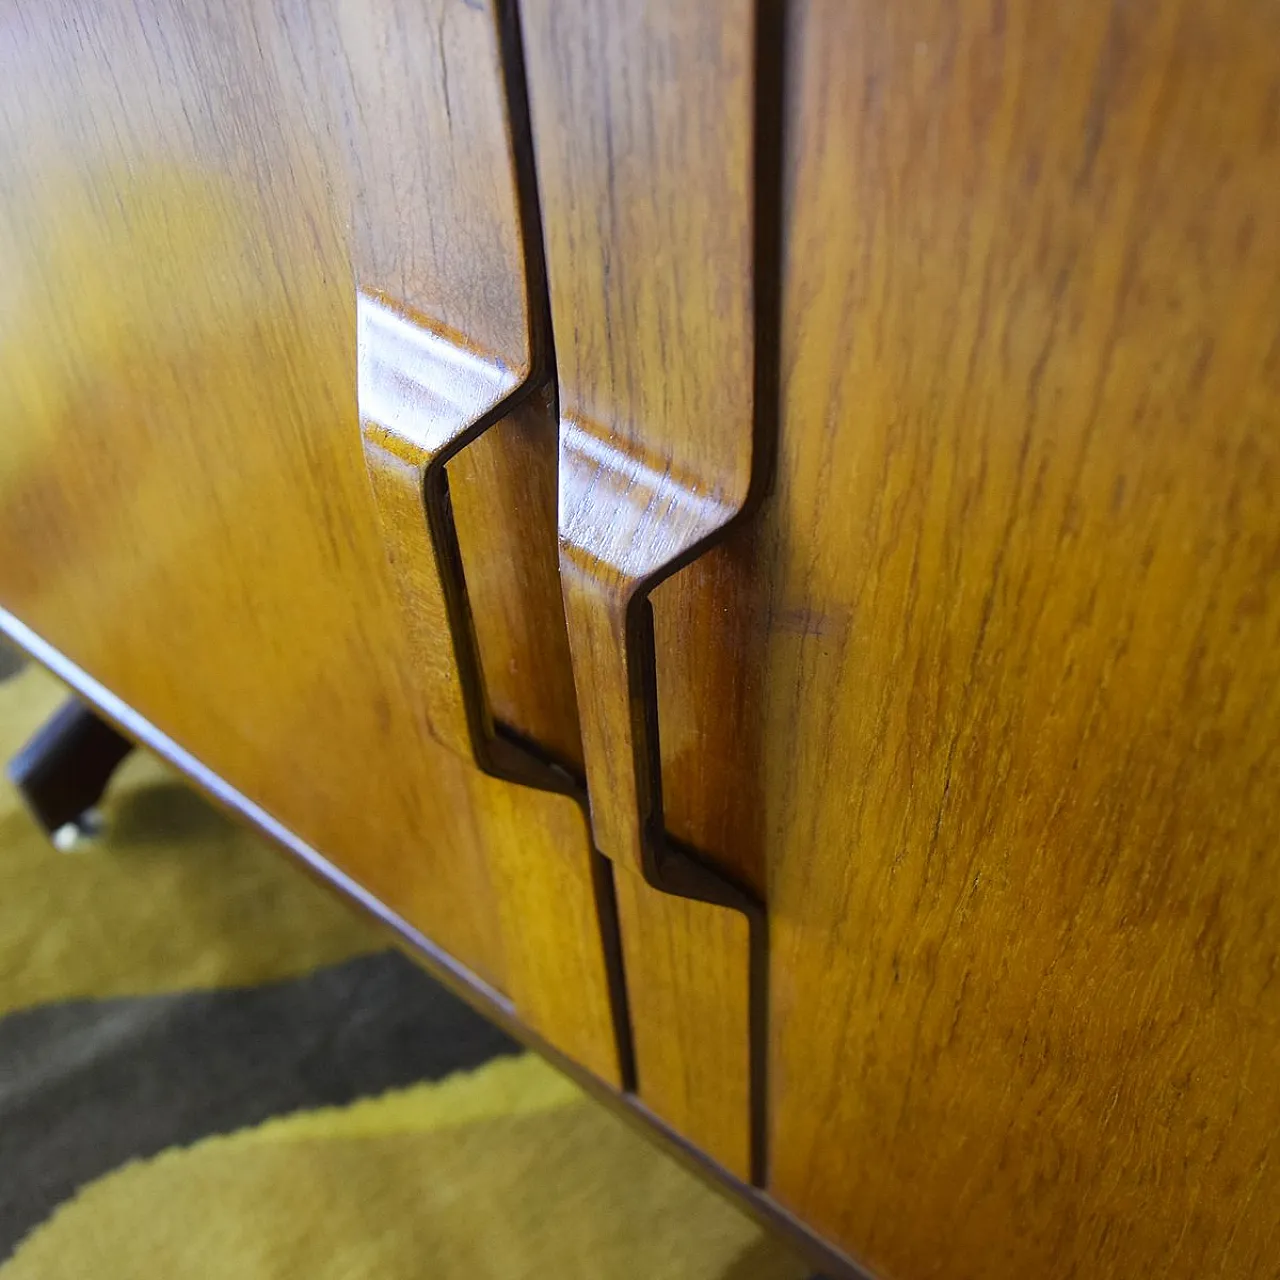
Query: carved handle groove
point(652, 235)
point(624, 526)
point(421, 399)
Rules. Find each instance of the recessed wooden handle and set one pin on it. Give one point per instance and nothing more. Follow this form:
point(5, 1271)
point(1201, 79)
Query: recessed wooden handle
point(649, 211)
point(452, 339)
point(624, 525)
point(422, 397)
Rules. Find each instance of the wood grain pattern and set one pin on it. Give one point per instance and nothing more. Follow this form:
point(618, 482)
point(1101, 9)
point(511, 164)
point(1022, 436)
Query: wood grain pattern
point(645, 185)
point(413, 96)
point(621, 522)
point(503, 491)
point(443, 967)
point(643, 126)
point(1023, 708)
point(548, 904)
point(691, 996)
point(183, 506)
point(999, 742)
point(709, 644)
point(185, 512)
point(412, 92)
point(451, 340)
point(420, 396)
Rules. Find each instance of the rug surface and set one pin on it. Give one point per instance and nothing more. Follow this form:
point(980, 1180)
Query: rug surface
point(211, 1067)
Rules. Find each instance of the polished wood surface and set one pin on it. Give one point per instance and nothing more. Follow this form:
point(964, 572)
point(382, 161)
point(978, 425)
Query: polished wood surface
point(1023, 670)
point(411, 96)
point(647, 212)
point(978, 710)
point(184, 507)
point(503, 490)
point(451, 340)
point(642, 120)
point(183, 495)
point(689, 997)
point(419, 394)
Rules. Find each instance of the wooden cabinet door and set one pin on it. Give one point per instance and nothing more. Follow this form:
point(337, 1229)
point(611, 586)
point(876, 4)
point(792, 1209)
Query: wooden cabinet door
point(644, 125)
point(1022, 669)
point(916, 459)
point(191, 195)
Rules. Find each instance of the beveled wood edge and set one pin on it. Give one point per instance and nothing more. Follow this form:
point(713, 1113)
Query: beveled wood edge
point(387, 327)
point(613, 568)
point(485, 999)
point(482, 392)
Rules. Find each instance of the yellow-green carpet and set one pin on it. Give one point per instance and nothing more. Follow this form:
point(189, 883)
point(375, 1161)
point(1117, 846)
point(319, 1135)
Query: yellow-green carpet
point(211, 1067)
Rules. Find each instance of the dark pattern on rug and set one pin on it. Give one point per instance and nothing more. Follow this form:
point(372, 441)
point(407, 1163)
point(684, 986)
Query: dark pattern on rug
point(87, 1085)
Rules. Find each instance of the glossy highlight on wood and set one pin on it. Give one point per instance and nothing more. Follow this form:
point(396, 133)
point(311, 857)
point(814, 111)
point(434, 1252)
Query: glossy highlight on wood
point(416, 96)
point(424, 393)
point(648, 218)
point(976, 713)
point(420, 396)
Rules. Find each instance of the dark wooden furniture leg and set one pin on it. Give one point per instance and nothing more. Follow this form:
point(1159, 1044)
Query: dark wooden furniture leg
point(64, 768)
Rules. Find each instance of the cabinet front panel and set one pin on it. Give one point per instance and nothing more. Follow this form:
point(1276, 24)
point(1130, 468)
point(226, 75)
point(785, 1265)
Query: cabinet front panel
point(184, 509)
point(1023, 673)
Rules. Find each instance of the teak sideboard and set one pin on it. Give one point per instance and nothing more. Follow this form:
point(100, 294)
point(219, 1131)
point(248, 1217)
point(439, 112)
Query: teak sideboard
point(748, 533)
